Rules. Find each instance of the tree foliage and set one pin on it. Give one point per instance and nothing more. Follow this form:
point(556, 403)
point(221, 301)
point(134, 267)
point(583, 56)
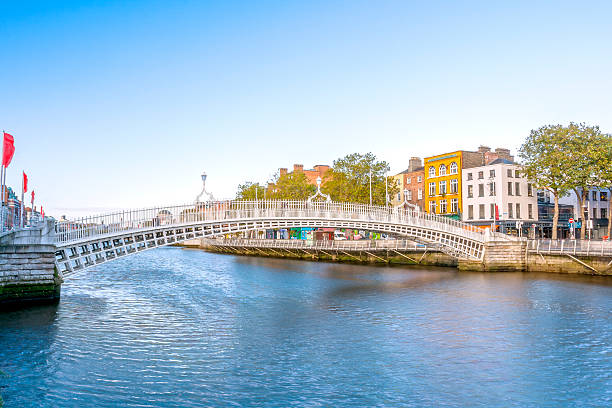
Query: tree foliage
point(250, 191)
point(349, 179)
point(544, 157)
point(292, 186)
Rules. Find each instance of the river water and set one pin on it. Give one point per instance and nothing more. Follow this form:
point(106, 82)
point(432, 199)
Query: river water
point(185, 328)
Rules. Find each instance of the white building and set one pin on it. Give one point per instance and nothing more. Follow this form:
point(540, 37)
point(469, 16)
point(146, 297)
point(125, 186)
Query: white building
point(597, 206)
point(498, 188)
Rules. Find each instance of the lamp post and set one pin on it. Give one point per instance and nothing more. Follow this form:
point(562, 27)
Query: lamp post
point(370, 185)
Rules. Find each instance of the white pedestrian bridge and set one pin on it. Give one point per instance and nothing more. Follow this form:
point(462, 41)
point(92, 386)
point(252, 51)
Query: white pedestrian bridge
point(90, 241)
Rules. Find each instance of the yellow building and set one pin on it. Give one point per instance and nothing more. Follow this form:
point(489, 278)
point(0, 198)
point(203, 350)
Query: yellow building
point(443, 181)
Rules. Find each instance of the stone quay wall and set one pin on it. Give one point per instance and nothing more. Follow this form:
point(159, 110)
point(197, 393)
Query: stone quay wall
point(27, 266)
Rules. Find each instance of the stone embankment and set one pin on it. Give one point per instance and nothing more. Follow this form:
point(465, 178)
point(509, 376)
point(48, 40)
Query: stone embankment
point(499, 256)
point(27, 266)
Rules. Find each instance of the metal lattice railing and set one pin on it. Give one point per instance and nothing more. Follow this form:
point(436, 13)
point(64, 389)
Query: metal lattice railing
point(155, 217)
point(571, 247)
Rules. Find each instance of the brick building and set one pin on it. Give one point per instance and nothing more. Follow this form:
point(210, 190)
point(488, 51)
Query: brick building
point(410, 183)
point(311, 174)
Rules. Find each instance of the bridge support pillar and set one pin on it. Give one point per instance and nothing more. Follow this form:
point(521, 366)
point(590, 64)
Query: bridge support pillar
point(27, 266)
point(499, 256)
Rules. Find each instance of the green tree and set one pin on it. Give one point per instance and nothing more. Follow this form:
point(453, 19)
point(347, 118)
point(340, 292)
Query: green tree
point(292, 186)
point(604, 174)
point(349, 179)
point(544, 160)
point(586, 149)
point(250, 191)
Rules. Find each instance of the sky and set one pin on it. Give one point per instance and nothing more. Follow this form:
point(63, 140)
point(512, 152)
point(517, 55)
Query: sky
point(123, 104)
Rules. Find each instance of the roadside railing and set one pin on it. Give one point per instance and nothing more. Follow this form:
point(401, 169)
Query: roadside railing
point(10, 219)
point(344, 245)
point(154, 217)
point(571, 247)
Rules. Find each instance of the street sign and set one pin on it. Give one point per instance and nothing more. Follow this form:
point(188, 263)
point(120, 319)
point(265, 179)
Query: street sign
point(571, 220)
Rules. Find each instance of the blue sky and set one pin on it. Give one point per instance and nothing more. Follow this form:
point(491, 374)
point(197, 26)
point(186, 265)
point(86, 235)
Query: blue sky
point(118, 104)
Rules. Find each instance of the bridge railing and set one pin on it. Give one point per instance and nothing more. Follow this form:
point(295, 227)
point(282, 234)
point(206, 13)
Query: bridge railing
point(150, 218)
point(344, 245)
point(571, 247)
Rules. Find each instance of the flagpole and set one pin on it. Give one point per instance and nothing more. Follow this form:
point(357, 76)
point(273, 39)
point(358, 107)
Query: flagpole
point(22, 198)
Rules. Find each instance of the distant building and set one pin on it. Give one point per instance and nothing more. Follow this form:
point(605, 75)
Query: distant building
point(546, 211)
point(319, 170)
point(444, 177)
point(597, 208)
point(498, 193)
point(410, 184)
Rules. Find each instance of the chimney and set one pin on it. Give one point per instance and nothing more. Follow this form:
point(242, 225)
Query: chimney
point(298, 167)
point(321, 169)
point(504, 153)
point(483, 149)
point(414, 163)
point(282, 171)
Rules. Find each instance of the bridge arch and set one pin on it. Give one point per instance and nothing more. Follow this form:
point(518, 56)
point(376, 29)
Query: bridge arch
point(91, 241)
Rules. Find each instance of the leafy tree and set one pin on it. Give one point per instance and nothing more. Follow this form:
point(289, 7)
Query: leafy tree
point(292, 186)
point(250, 191)
point(586, 150)
point(544, 157)
point(604, 174)
point(349, 179)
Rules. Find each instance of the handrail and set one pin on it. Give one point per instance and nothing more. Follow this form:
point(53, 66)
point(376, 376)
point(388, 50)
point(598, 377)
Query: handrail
point(343, 245)
point(154, 217)
point(570, 247)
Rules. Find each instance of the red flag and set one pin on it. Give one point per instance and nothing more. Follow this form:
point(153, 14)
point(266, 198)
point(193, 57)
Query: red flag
point(8, 148)
point(25, 182)
point(42, 212)
point(32, 197)
point(496, 213)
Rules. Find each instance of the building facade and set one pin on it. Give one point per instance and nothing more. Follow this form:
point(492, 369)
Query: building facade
point(410, 184)
point(498, 194)
point(444, 177)
point(317, 171)
point(596, 208)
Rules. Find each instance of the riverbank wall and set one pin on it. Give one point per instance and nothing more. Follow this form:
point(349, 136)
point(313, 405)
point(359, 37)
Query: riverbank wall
point(499, 257)
point(27, 266)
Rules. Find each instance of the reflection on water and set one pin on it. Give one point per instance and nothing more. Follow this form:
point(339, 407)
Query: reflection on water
point(178, 328)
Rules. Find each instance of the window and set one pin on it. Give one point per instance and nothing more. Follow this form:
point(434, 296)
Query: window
point(593, 212)
point(509, 172)
point(469, 176)
point(454, 186)
point(454, 168)
point(454, 205)
point(480, 175)
point(603, 197)
point(399, 198)
point(604, 213)
point(432, 172)
point(492, 173)
point(432, 207)
point(510, 208)
point(517, 186)
point(481, 211)
point(492, 209)
point(409, 180)
point(529, 190)
point(517, 174)
point(442, 171)
point(470, 212)
point(470, 191)
point(432, 189)
point(419, 179)
point(420, 194)
point(518, 211)
point(443, 187)
point(509, 188)
point(442, 206)
point(492, 188)
point(481, 190)
point(530, 211)
point(594, 193)
point(409, 195)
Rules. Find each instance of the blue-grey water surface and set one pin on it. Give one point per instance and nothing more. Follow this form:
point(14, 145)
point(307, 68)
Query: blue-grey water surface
point(185, 328)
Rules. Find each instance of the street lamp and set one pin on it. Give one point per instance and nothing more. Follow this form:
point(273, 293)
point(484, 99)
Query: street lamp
point(204, 192)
